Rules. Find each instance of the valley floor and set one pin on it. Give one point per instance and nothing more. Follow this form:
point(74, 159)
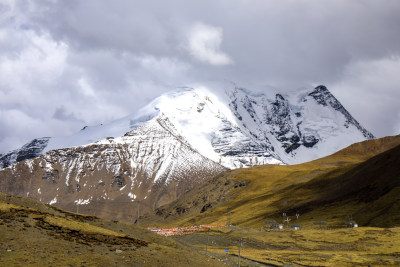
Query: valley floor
point(35, 234)
point(364, 246)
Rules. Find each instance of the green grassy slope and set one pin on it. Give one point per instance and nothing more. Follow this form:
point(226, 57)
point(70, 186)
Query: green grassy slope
point(369, 192)
point(360, 181)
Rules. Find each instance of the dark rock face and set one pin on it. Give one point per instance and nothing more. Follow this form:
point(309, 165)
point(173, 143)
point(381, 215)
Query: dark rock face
point(321, 95)
point(309, 141)
point(119, 181)
point(284, 130)
point(206, 207)
point(51, 175)
point(32, 149)
point(283, 121)
point(277, 115)
point(29, 151)
point(292, 147)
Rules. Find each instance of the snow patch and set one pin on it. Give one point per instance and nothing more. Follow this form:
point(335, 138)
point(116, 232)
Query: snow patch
point(53, 201)
point(82, 201)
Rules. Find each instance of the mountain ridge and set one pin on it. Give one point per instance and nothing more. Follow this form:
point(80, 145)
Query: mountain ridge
point(240, 129)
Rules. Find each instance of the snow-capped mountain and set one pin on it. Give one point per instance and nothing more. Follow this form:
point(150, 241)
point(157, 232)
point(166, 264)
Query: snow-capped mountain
point(297, 127)
point(175, 142)
point(239, 128)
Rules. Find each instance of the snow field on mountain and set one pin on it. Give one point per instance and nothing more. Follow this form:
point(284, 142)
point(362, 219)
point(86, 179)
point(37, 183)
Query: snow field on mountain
point(235, 129)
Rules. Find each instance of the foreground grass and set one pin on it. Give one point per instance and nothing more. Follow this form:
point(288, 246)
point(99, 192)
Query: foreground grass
point(35, 234)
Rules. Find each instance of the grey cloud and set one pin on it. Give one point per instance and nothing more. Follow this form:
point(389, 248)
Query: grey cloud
point(62, 114)
point(371, 92)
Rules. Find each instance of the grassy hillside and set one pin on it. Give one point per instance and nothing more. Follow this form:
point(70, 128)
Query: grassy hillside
point(370, 191)
point(350, 182)
point(360, 183)
point(35, 234)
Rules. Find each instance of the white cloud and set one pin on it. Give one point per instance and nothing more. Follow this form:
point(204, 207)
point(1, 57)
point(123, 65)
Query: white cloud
point(204, 43)
point(86, 88)
point(40, 59)
point(165, 68)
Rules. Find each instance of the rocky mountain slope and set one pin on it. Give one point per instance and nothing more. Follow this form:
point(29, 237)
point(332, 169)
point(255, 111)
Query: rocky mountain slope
point(148, 166)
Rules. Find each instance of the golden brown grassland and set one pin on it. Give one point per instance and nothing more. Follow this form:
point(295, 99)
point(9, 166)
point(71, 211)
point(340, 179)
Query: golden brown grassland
point(361, 182)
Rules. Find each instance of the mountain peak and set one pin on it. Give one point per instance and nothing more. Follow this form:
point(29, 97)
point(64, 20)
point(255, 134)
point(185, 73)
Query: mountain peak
point(325, 98)
point(322, 95)
point(321, 88)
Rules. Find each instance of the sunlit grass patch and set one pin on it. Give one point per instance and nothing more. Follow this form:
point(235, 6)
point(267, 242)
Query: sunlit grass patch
point(79, 226)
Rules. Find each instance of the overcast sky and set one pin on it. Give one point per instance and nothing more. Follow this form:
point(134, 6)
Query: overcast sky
point(67, 64)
